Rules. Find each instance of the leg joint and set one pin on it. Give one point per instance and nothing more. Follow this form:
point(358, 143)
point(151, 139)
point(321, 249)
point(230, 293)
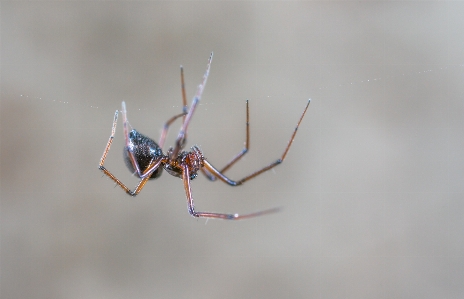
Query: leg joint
point(192, 212)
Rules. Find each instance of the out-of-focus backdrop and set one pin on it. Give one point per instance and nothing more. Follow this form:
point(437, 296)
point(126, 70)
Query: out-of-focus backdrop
point(372, 189)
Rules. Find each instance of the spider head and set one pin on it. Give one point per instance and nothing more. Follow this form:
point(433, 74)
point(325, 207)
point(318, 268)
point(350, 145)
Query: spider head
point(192, 159)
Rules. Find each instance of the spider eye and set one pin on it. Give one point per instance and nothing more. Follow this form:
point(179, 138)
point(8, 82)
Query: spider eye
point(193, 175)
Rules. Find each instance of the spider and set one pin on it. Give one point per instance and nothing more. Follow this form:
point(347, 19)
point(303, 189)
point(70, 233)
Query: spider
point(146, 159)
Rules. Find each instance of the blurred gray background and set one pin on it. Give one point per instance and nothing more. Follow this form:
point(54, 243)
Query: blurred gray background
point(372, 189)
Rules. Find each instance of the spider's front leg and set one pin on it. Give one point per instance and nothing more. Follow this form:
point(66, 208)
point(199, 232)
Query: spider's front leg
point(180, 141)
point(193, 213)
point(110, 140)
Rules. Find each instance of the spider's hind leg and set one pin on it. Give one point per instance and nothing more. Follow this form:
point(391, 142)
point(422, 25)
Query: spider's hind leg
point(125, 123)
point(129, 144)
point(110, 140)
point(105, 153)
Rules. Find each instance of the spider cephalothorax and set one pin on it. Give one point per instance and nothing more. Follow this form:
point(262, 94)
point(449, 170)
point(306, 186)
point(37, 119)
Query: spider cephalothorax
point(193, 159)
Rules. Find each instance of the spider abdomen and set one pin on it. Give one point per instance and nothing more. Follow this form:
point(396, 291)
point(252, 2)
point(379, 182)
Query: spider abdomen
point(144, 150)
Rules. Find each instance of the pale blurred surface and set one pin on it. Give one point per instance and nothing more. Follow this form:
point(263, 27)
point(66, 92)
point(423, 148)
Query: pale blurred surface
point(372, 188)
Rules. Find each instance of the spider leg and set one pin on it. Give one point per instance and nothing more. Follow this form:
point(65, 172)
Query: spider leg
point(184, 112)
point(144, 177)
point(239, 155)
point(105, 152)
point(164, 133)
point(247, 142)
point(208, 174)
point(180, 141)
point(125, 123)
point(184, 100)
point(193, 213)
point(211, 170)
point(110, 140)
point(184, 96)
